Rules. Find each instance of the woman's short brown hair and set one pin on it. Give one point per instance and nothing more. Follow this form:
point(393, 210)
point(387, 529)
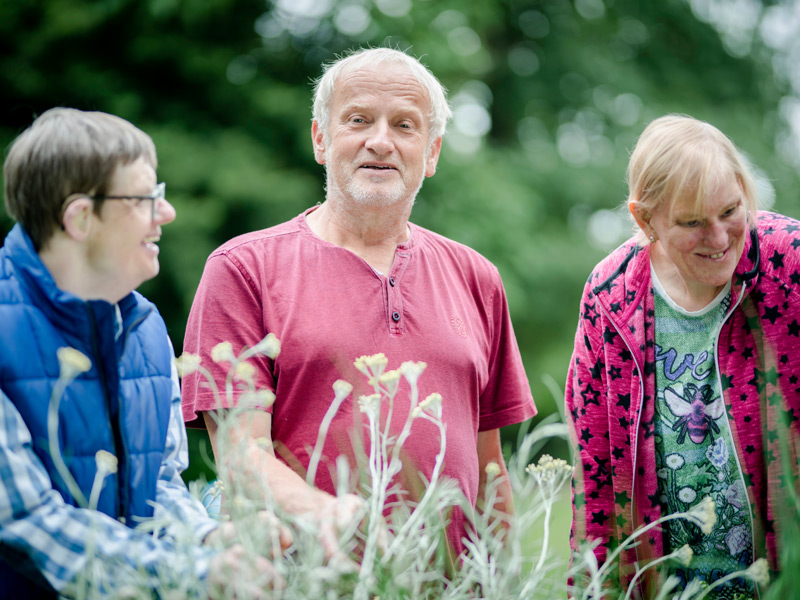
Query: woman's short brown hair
point(66, 151)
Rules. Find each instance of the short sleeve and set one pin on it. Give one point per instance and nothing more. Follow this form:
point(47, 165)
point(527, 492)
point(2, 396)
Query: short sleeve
point(226, 308)
point(506, 399)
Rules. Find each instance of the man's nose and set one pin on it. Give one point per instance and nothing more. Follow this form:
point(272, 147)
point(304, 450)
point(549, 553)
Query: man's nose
point(380, 138)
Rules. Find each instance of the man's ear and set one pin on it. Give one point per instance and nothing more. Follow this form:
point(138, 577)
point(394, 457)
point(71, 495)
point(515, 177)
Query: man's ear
point(76, 219)
point(318, 140)
point(433, 157)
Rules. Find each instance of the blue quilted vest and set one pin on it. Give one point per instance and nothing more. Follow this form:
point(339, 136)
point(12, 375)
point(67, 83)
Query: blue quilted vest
point(122, 405)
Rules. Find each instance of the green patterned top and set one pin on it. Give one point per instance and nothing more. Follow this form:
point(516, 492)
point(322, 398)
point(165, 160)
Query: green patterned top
point(693, 442)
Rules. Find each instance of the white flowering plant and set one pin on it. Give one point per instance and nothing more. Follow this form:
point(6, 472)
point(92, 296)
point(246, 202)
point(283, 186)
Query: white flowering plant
point(406, 557)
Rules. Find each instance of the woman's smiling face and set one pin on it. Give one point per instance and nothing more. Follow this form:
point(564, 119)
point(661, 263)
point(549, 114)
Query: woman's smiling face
point(703, 243)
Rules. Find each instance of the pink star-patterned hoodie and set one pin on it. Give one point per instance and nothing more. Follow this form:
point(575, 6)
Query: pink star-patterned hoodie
point(610, 393)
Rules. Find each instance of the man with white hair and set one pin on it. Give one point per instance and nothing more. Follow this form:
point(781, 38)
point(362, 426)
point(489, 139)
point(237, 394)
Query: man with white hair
point(351, 277)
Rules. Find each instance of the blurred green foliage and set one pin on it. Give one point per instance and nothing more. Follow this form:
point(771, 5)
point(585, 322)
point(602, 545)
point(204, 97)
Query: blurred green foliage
point(549, 98)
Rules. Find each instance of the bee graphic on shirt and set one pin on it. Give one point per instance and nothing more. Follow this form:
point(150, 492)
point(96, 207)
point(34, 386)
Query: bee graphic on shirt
point(696, 411)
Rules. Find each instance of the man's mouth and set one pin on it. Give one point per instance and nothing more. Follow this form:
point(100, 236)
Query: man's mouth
point(379, 167)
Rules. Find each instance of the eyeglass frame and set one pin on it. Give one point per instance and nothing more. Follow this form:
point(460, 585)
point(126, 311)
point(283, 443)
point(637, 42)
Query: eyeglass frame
point(159, 192)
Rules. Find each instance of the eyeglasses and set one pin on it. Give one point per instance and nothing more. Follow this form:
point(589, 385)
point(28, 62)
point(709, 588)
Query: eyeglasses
point(159, 192)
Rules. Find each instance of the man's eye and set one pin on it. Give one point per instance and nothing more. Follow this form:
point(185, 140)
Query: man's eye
point(693, 223)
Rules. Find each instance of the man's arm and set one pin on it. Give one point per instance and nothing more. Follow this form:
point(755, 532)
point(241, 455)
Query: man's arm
point(247, 453)
point(490, 451)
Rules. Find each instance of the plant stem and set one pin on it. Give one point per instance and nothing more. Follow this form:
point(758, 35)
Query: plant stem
point(55, 450)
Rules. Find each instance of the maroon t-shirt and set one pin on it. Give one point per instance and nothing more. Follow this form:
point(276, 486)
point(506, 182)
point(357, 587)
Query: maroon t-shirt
point(441, 303)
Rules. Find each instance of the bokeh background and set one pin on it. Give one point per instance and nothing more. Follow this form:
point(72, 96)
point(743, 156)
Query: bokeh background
point(549, 97)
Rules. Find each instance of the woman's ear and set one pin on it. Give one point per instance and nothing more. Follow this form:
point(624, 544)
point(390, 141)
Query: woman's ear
point(641, 215)
point(76, 218)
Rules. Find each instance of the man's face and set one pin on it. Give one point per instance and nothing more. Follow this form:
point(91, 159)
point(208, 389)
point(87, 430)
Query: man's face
point(378, 148)
point(122, 248)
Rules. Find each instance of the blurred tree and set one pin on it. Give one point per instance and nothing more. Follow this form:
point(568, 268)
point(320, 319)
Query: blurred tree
point(548, 99)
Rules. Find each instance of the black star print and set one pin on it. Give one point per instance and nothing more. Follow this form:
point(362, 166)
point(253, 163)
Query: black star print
point(609, 335)
point(777, 259)
point(624, 355)
point(615, 307)
point(624, 400)
point(597, 370)
point(796, 243)
point(599, 517)
point(654, 502)
point(602, 464)
point(758, 296)
point(771, 313)
point(591, 395)
point(791, 228)
point(748, 352)
point(793, 379)
point(601, 479)
point(630, 296)
point(618, 452)
point(590, 313)
point(794, 328)
point(749, 449)
point(586, 435)
point(615, 372)
point(784, 359)
point(795, 278)
point(624, 422)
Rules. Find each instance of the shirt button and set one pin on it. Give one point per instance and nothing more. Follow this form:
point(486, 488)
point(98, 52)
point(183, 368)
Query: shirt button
point(395, 316)
point(391, 281)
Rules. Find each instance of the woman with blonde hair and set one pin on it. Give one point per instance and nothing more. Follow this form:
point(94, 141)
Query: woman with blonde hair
point(685, 375)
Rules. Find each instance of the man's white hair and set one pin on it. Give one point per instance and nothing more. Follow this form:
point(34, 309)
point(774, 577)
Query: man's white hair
point(439, 114)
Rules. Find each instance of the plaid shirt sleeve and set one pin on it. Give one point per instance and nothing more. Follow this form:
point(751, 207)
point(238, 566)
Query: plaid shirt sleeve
point(53, 542)
point(180, 514)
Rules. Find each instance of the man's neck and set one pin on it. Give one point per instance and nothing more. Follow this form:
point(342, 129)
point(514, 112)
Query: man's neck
point(371, 233)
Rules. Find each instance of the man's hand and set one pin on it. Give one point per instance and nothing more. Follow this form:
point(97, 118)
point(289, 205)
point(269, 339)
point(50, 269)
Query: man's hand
point(246, 576)
point(250, 457)
point(336, 516)
point(226, 533)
